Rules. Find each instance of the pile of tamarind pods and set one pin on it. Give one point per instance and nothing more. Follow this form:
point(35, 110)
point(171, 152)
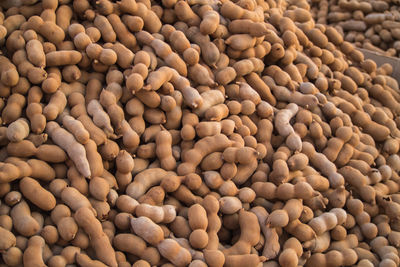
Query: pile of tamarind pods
point(193, 133)
point(373, 25)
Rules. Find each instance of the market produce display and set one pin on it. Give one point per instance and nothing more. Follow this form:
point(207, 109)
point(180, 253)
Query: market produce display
point(197, 133)
point(373, 25)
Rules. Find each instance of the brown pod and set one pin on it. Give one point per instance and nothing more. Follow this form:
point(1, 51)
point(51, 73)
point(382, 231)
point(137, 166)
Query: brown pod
point(23, 222)
point(99, 188)
point(94, 159)
point(35, 53)
point(32, 190)
point(18, 130)
point(52, 32)
point(164, 150)
point(34, 251)
point(51, 153)
point(171, 250)
point(60, 58)
point(148, 230)
point(197, 217)
point(8, 239)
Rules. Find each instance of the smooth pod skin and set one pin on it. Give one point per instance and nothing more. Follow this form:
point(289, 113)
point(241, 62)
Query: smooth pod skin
point(66, 225)
point(98, 239)
point(12, 111)
point(125, 165)
point(106, 29)
point(201, 149)
point(94, 158)
point(33, 253)
point(18, 130)
point(178, 255)
point(197, 217)
point(327, 221)
point(130, 243)
point(144, 180)
point(60, 58)
point(163, 214)
point(52, 32)
point(55, 106)
point(9, 73)
point(32, 190)
point(292, 250)
point(99, 188)
point(209, 23)
point(76, 128)
point(8, 239)
point(148, 230)
point(35, 53)
point(51, 153)
point(74, 150)
point(74, 199)
point(272, 248)
point(230, 205)
point(100, 118)
point(240, 260)
point(249, 235)
point(23, 222)
point(164, 150)
point(85, 260)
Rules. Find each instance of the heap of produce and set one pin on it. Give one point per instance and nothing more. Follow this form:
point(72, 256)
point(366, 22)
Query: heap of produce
point(373, 25)
point(193, 133)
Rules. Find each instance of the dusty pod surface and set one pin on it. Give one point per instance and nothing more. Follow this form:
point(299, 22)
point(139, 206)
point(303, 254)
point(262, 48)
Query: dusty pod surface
point(370, 25)
point(198, 133)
